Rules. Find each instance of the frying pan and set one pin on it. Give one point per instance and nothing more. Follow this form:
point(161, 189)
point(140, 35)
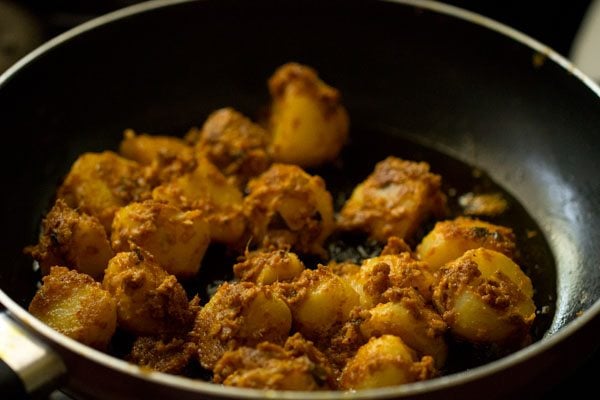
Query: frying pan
point(453, 82)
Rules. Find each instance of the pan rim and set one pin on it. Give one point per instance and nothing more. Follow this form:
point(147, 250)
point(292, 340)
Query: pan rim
point(198, 386)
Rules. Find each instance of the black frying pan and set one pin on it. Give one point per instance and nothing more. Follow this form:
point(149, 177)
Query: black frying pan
point(420, 79)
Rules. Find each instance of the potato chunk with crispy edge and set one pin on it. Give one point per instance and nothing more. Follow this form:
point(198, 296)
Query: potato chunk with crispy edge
point(288, 208)
point(319, 300)
point(385, 361)
point(99, 184)
point(72, 239)
point(239, 314)
point(378, 274)
point(177, 239)
point(451, 239)
point(149, 300)
point(207, 190)
point(76, 306)
point(484, 297)
point(145, 148)
point(308, 123)
point(266, 267)
point(298, 365)
point(235, 145)
point(406, 315)
point(394, 200)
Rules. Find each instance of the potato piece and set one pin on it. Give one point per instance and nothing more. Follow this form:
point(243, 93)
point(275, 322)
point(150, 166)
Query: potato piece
point(147, 148)
point(101, 183)
point(266, 267)
point(450, 239)
point(76, 306)
point(394, 200)
point(385, 361)
point(72, 239)
point(288, 208)
point(170, 356)
point(319, 300)
point(484, 297)
point(308, 123)
point(298, 366)
point(207, 190)
point(378, 274)
point(150, 302)
point(407, 316)
point(489, 204)
point(235, 145)
point(177, 239)
point(240, 314)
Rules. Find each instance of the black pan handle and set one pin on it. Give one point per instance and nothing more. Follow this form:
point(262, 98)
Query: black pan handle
point(27, 365)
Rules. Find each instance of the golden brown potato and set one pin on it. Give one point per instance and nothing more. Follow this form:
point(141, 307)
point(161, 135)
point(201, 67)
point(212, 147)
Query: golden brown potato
point(319, 300)
point(378, 274)
point(145, 149)
point(266, 267)
point(240, 314)
point(76, 306)
point(207, 190)
point(72, 239)
point(171, 356)
point(288, 208)
point(297, 366)
point(235, 145)
point(177, 239)
point(150, 302)
point(484, 297)
point(101, 183)
point(394, 200)
point(450, 239)
point(385, 361)
point(308, 123)
point(407, 316)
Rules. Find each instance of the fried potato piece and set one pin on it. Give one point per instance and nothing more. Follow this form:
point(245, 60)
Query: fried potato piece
point(72, 239)
point(170, 356)
point(407, 316)
point(146, 148)
point(385, 361)
point(76, 306)
point(99, 184)
point(235, 145)
point(484, 297)
point(266, 267)
point(177, 239)
point(150, 302)
point(490, 204)
point(288, 208)
point(378, 274)
point(308, 123)
point(207, 190)
point(451, 239)
point(297, 366)
point(394, 200)
point(239, 314)
point(319, 300)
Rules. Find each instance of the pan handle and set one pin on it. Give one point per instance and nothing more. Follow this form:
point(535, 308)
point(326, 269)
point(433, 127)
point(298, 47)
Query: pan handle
point(27, 365)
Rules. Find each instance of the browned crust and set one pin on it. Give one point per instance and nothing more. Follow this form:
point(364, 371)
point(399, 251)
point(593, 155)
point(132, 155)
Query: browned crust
point(171, 356)
point(417, 195)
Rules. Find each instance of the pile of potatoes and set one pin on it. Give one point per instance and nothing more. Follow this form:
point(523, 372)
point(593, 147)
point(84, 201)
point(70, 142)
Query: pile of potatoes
point(127, 228)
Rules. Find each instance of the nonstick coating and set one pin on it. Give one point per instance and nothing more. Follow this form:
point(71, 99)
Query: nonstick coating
point(455, 86)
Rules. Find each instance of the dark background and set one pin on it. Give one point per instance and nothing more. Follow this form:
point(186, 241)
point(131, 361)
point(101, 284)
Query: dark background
point(553, 22)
